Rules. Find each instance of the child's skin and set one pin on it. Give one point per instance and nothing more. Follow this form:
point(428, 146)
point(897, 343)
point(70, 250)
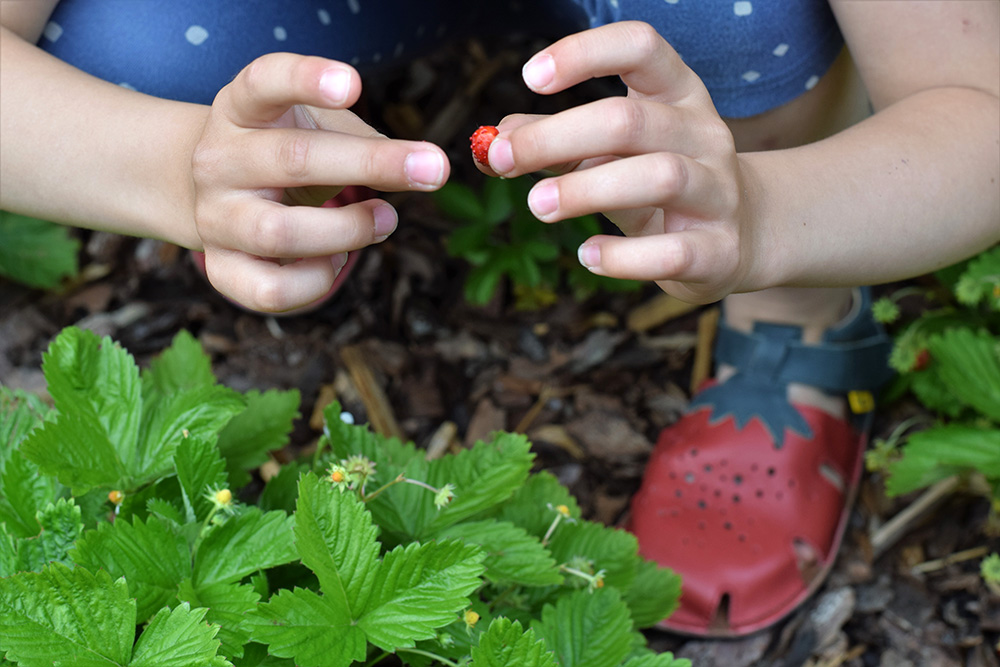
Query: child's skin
point(910, 189)
point(89, 153)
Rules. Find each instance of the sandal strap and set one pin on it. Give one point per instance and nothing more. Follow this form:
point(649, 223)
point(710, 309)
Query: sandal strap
point(776, 353)
point(852, 356)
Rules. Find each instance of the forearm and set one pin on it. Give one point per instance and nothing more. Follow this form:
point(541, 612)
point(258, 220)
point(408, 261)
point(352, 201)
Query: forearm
point(85, 152)
point(907, 191)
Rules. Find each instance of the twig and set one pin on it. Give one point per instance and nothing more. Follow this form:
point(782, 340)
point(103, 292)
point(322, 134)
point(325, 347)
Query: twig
point(708, 322)
point(380, 412)
point(442, 439)
point(894, 529)
point(544, 396)
point(941, 563)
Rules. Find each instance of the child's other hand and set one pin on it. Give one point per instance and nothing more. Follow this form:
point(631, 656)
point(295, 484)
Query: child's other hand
point(660, 163)
point(278, 143)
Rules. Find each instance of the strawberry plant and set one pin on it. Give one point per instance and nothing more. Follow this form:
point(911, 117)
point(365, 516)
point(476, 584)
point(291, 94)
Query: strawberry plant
point(130, 535)
point(35, 252)
point(498, 235)
point(949, 359)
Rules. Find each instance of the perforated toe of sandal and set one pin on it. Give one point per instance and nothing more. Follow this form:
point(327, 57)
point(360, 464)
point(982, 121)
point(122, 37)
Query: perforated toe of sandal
point(747, 496)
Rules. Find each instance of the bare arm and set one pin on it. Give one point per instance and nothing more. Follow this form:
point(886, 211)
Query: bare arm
point(82, 151)
point(912, 188)
point(917, 185)
point(241, 179)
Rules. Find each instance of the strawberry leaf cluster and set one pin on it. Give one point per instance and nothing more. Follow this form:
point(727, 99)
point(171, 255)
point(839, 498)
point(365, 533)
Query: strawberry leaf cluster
point(949, 359)
point(498, 235)
point(125, 538)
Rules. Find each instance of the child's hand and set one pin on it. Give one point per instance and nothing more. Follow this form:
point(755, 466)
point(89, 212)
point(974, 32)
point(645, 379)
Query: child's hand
point(660, 163)
point(278, 142)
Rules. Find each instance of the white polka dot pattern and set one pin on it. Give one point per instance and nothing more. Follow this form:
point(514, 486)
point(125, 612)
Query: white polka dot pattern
point(196, 35)
point(752, 55)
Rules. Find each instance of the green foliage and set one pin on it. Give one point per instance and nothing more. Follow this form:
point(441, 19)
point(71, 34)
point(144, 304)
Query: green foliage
point(500, 238)
point(949, 359)
point(121, 542)
point(35, 252)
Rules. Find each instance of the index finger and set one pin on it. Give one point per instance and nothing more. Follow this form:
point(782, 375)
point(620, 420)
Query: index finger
point(632, 50)
point(266, 88)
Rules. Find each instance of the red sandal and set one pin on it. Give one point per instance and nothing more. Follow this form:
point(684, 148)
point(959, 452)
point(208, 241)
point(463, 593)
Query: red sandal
point(747, 496)
point(349, 195)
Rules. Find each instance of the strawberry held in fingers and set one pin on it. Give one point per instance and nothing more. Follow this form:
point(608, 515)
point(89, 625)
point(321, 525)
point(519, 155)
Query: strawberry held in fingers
point(480, 142)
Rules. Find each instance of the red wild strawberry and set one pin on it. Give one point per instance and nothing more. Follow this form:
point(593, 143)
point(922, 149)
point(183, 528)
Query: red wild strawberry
point(480, 142)
point(923, 359)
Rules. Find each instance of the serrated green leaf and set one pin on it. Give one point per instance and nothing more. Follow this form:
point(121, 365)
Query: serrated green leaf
point(393, 511)
point(98, 376)
point(153, 557)
point(200, 412)
point(980, 279)
point(8, 553)
point(23, 492)
point(263, 426)
point(20, 412)
point(587, 629)
point(199, 467)
point(506, 644)
point(36, 252)
point(245, 543)
point(60, 526)
point(178, 637)
point(968, 362)
point(483, 476)
point(419, 588)
point(937, 453)
point(336, 539)
point(310, 628)
point(182, 366)
point(228, 606)
point(609, 549)
point(76, 450)
point(512, 556)
point(64, 616)
point(532, 506)
point(654, 594)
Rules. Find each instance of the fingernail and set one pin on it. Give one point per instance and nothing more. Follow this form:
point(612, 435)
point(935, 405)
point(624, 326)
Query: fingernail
point(501, 156)
point(543, 200)
point(385, 221)
point(589, 255)
point(424, 168)
point(339, 261)
point(539, 71)
point(335, 84)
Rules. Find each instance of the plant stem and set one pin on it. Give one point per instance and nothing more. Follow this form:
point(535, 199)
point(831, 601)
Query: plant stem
point(424, 485)
point(377, 659)
point(427, 654)
point(374, 494)
point(552, 529)
point(201, 532)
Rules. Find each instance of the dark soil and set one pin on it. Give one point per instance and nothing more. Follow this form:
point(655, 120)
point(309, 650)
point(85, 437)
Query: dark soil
point(589, 384)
